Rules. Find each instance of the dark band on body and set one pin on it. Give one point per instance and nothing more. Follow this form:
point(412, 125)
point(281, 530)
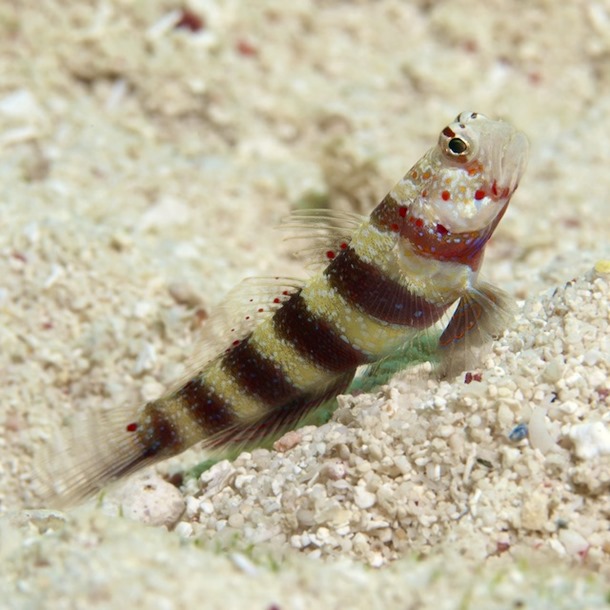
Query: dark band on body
point(287, 415)
point(258, 375)
point(159, 436)
point(314, 338)
point(209, 410)
point(433, 242)
point(366, 287)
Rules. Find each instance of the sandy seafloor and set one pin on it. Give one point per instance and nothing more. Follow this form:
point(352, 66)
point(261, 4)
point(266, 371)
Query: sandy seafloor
point(143, 168)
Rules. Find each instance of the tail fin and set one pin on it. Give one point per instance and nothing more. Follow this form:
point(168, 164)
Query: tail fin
point(100, 448)
point(96, 450)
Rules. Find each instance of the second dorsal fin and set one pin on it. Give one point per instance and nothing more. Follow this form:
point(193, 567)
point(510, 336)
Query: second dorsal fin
point(248, 304)
point(326, 231)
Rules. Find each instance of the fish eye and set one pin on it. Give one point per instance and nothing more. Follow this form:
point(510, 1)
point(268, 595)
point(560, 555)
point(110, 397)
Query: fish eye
point(457, 146)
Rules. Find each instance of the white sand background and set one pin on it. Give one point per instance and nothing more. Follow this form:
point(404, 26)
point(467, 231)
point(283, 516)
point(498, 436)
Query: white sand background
point(142, 170)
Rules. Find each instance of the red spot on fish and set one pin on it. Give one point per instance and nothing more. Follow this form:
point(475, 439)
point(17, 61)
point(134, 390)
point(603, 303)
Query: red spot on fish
point(330, 255)
point(247, 318)
point(468, 378)
point(402, 211)
point(394, 227)
point(480, 194)
point(236, 343)
point(445, 195)
point(477, 377)
point(494, 189)
point(285, 293)
point(190, 21)
point(343, 246)
point(448, 133)
point(260, 310)
point(419, 223)
point(132, 427)
point(276, 300)
point(441, 229)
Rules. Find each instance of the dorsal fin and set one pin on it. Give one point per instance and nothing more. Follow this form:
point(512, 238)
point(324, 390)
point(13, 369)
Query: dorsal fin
point(248, 304)
point(327, 231)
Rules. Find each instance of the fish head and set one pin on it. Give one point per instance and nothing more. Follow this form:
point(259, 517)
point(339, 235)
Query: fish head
point(466, 181)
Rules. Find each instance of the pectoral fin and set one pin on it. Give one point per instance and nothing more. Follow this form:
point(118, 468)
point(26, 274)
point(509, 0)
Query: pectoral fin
point(482, 314)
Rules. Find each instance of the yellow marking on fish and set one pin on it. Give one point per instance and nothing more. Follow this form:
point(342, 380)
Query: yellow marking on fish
point(436, 281)
point(299, 370)
point(182, 419)
point(245, 405)
point(363, 332)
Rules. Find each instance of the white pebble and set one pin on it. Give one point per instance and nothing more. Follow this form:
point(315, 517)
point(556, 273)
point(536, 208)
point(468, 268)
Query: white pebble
point(184, 529)
point(206, 507)
point(590, 440)
point(553, 371)
point(192, 507)
point(402, 463)
point(146, 498)
point(243, 480)
point(592, 357)
point(236, 520)
point(333, 471)
point(20, 104)
point(142, 309)
point(538, 433)
point(573, 542)
point(364, 499)
point(244, 564)
point(147, 357)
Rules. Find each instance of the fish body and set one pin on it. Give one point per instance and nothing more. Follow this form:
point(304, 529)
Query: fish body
point(388, 278)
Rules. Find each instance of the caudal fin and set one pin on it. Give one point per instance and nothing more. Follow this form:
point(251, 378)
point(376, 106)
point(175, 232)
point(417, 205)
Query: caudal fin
point(95, 450)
